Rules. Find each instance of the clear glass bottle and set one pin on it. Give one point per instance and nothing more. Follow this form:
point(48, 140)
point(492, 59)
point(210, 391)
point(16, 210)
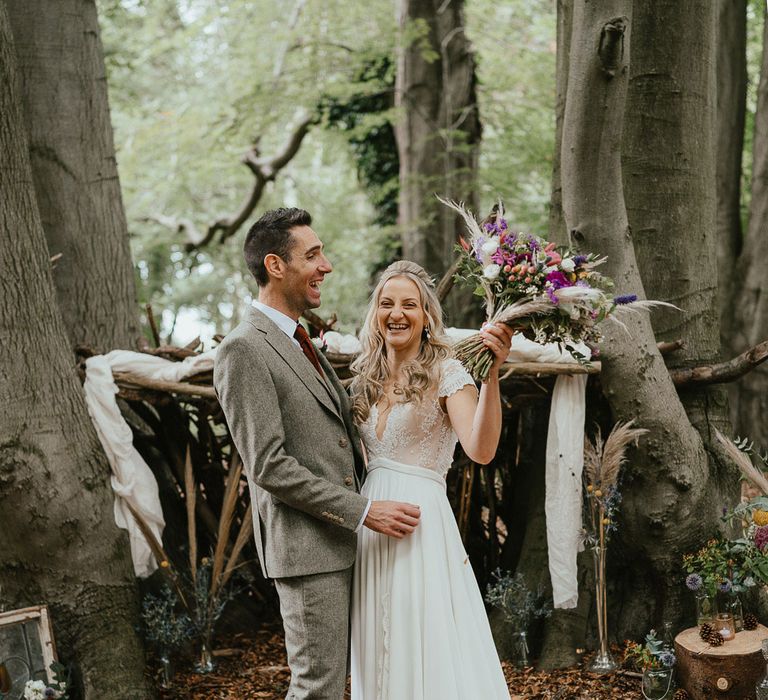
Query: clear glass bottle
point(733, 606)
point(761, 689)
point(668, 639)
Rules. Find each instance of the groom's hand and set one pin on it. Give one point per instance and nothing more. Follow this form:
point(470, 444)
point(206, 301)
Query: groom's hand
point(392, 518)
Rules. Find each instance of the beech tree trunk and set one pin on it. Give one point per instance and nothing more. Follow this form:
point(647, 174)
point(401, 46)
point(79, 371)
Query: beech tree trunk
point(64, 91)
point(731, 68)
point(437, 131)
point(672, 489)
point(750, 297)
point(60, 543)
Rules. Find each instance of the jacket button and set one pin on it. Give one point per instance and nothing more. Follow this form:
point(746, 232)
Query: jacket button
point(348, 481)
point(343, 442)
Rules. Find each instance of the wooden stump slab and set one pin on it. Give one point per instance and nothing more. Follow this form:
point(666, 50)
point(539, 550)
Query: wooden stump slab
point(728, 672)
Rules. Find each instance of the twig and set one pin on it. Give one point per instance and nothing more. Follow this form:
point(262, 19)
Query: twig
point(153, 325)
point(190, 489)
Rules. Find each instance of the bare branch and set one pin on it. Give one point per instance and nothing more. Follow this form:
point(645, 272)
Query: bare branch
point(264, 170)
point(724, 371)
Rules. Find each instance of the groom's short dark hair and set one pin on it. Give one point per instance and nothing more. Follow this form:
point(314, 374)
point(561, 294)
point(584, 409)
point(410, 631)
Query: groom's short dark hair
point(272, 234)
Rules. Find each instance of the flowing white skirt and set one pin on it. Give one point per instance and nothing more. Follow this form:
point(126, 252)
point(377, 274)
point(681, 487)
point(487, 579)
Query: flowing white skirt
point(419, 627)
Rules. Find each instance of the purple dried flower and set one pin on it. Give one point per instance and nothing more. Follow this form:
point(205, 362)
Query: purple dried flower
point(725, 586)
point(49, 693)
point(579, 259)
point(625, 299)
point(694, 582)
point(552, 296)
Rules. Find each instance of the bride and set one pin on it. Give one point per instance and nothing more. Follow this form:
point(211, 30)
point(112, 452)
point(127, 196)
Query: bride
point(419, 627)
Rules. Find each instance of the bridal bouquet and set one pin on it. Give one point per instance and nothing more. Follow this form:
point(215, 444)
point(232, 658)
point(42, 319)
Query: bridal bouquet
point(527, 282)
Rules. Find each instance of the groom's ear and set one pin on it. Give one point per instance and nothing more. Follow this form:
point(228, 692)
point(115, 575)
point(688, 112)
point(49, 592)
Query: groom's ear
point(274, 265)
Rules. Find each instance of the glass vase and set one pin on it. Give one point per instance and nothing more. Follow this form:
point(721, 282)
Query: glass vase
point(657, 683)
point(521, 650)
point(166, 671)
point(603, 661)
point(205, 662)
point(761, 689)
point(706, 608)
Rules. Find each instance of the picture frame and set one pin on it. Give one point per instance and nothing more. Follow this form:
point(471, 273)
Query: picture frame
point(27, 649)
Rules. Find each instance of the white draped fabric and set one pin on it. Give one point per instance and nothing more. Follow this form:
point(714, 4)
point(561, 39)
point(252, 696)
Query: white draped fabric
point(564, 463)
point(132, 480)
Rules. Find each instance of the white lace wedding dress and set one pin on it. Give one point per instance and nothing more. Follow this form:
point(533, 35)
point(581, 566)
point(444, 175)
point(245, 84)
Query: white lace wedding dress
point(419, 627)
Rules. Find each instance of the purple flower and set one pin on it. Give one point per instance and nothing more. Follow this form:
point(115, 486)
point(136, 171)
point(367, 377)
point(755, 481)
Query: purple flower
point(579, 259)
point(761, 537)
point(552, 296)
point(50, 693)
point(725, 586)
point(534, 245)
point(694, 582)
point(558, 279)
point(625, 299)
point(667, 659)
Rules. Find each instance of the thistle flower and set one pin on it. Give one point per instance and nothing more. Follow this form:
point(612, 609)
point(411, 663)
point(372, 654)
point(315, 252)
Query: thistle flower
point(725, 586)
point(667, 659)
point(694, 582)
point(625, 299)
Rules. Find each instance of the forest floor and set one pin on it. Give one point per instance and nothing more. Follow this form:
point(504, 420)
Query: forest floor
point(254, 667)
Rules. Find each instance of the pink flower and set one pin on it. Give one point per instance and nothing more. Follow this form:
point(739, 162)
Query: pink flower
point(761, 537)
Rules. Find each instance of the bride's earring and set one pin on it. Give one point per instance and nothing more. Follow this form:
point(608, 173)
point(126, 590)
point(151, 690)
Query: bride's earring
point(425, 334)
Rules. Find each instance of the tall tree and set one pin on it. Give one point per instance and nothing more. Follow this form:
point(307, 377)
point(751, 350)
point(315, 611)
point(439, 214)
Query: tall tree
point(60, 543)
point(750, 300)
point(75, 172)
point(667, 176)
point(438, 128)
point(731, 66)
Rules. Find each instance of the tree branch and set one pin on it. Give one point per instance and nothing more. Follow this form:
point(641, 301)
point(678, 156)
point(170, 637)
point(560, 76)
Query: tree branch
point(264, 170)
point(724, 371)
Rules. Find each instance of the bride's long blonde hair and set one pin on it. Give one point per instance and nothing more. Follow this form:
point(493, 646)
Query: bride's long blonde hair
point(371, 369)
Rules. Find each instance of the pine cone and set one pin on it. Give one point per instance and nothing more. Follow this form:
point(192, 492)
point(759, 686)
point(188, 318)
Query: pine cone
point(715, 639)
point(750, 621)
point(705, 631)
point(681, 694)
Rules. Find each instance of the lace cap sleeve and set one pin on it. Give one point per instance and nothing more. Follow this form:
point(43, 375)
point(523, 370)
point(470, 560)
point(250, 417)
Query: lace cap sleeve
point(453, 377)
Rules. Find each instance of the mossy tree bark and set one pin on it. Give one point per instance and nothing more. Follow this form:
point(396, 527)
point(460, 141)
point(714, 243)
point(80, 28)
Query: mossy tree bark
point(64, 90)
point(60, 543)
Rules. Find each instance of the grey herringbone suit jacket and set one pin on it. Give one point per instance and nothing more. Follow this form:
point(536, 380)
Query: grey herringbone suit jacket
point(294, 432)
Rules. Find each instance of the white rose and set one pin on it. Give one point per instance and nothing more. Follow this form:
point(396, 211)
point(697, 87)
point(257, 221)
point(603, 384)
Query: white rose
point(568, 265)
point(491, 245)
point(34, 690)
point(491, 272)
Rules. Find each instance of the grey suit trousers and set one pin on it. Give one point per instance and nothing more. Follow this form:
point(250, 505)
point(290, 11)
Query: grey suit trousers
point(315, 611)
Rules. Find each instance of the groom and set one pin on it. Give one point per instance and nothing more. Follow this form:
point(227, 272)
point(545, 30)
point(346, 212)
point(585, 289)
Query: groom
point(291, 423)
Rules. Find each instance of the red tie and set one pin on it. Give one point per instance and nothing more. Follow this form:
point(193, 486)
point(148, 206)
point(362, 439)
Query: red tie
point(307, 347)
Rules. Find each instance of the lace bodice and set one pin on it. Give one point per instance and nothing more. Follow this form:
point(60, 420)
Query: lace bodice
point(419, 433)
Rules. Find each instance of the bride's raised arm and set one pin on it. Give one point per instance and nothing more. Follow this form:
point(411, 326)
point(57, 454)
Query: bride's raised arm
point(477, 419)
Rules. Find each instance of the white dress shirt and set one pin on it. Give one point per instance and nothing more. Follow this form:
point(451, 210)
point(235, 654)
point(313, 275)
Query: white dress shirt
point(288, 326)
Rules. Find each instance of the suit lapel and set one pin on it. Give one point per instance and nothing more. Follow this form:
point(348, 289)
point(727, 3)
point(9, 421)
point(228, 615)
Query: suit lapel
point(295, 359)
